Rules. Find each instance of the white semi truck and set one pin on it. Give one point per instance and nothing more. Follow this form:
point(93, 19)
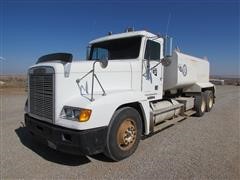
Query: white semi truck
point(131, 85)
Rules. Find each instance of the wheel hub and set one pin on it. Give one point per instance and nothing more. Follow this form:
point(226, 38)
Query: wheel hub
point(126, 135)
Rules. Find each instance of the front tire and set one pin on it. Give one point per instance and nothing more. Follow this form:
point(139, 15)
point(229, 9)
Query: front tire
point(124, 134)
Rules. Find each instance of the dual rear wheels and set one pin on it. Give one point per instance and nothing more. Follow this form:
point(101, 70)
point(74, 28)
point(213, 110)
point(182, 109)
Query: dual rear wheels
point(203, 102)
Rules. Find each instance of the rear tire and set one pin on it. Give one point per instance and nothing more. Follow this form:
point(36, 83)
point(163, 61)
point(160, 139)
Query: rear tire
point(124, 134)
point(208, 95)
point(200, 105)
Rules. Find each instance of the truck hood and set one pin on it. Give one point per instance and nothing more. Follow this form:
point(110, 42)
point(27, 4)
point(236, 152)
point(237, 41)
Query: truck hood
point(65, 68)
point(116, 76)
point(84, 66)
point(73, 82)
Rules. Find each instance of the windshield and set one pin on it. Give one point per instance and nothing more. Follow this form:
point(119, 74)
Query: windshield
point(125, 48)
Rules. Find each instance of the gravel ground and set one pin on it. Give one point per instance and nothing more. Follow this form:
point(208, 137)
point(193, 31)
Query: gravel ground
point(196, 148)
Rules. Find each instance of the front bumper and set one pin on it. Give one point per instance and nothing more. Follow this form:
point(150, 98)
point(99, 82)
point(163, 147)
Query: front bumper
point(71, 141)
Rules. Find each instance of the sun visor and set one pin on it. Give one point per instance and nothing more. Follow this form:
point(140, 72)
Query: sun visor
point(64, 57)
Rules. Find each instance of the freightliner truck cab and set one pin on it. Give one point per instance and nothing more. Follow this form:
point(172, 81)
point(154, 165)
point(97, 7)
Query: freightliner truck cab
point(120, 93)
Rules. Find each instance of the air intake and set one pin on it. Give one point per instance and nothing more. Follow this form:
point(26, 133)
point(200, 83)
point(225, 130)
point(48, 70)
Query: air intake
point(130, 29)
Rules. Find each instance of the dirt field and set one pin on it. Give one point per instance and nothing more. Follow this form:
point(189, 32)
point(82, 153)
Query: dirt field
point(196, 148)
point(13, 81)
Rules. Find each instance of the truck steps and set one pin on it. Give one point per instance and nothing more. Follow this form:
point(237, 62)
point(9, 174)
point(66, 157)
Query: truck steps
point(189, 112)
point(168, 123)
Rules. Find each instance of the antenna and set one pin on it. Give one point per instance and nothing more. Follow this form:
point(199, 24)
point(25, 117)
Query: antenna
point(168, 22)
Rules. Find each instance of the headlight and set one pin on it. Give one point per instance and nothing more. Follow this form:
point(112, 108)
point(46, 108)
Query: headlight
point(76, 114)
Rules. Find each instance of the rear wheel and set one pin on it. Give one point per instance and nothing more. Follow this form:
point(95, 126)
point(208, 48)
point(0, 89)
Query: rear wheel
point(200, 105)
point(124, 134)
point(208, 95)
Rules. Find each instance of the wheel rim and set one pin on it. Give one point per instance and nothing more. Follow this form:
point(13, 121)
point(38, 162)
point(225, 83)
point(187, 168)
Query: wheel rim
point(203, 106)
point(126, 135)
point(210, 104)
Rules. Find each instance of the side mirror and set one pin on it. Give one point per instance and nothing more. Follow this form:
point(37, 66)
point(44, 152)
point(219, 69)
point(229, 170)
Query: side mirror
point(103, 63)
point(167, 46)
point(166, 61)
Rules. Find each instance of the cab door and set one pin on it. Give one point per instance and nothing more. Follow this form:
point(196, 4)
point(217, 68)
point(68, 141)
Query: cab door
point(152, 76)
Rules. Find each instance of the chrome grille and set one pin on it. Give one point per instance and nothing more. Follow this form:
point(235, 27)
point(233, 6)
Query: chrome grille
point(41, 92)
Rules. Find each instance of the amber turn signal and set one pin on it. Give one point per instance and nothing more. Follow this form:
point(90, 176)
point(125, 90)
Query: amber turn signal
point(84, 115)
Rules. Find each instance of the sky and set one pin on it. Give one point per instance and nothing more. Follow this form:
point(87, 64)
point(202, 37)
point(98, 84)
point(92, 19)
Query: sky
point(203, 28)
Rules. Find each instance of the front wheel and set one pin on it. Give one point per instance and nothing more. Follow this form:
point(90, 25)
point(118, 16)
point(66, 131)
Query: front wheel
point(124, 134)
